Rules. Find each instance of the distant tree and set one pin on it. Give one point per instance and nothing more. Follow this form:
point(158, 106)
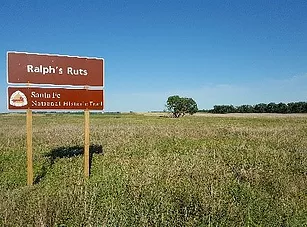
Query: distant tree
point(180, 106)
point(260, 108)
point(297, 107)
point(223, 109)
point(282, 108)
point(293, 107)
point(304, 107)
point(173, 105)
point(272, 108)
point(245, 109)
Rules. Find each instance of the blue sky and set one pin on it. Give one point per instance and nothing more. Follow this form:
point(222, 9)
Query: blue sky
point(216, 52)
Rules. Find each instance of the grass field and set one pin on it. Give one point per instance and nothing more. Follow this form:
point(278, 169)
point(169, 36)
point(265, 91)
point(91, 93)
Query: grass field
point(156, 171)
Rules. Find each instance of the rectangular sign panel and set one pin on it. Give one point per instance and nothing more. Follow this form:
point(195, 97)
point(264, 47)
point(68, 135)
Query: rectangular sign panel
point(54, 69)
point(38, 98)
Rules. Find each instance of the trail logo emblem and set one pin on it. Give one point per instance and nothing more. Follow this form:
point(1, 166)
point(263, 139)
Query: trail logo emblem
point(18, 99)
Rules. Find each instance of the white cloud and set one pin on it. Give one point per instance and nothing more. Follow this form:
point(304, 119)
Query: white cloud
point(270, 90)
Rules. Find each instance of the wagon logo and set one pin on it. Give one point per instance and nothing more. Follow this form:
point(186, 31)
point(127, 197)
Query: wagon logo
point(18, 99)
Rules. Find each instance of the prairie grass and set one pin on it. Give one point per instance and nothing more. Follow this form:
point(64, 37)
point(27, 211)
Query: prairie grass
point(153, 171)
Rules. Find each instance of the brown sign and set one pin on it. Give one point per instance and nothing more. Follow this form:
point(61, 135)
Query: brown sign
point(37, 98)
point(54, 69)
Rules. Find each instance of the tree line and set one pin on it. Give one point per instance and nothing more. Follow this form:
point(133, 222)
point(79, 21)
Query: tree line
point(292, 107)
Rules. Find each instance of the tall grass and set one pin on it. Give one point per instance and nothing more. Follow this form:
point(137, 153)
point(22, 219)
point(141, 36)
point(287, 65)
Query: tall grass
point(193, 171)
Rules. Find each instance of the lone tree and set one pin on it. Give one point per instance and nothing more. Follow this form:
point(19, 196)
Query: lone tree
point(180, 106)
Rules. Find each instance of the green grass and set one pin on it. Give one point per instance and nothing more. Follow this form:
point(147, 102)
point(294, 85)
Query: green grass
point(193, 171)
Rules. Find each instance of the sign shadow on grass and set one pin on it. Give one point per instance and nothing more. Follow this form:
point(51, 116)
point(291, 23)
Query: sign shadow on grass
point(65, 152)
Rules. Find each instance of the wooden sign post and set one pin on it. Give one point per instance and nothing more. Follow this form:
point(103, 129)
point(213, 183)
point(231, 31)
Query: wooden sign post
point(86, 143)
point(29, 148)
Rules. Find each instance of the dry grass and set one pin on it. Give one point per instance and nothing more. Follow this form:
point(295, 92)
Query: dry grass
point(193, 171)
